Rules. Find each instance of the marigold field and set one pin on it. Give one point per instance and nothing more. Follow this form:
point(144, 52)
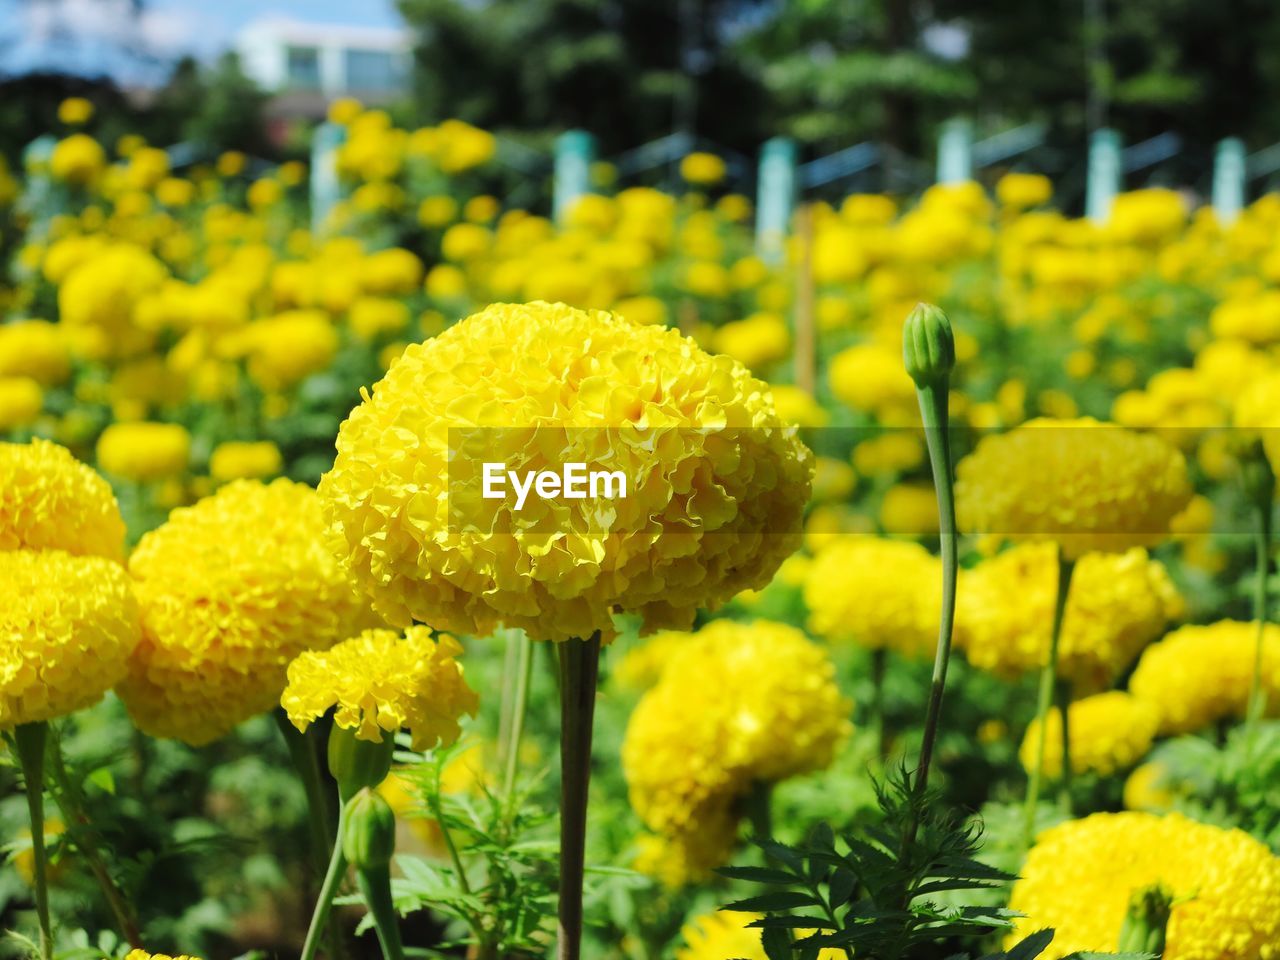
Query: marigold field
point(935, 622)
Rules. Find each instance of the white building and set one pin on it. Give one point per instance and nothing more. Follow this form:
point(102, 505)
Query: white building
point(330, 60)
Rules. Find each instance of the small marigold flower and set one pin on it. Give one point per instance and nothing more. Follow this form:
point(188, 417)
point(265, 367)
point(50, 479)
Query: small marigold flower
point(35, 349)
point(1198, 675)
point(1117, 605)
point(51, 501)
point(144, 452)
point(1084, 484)
point(1110, 732)
point(231, 590)
point(138, 954)
point(379, 683)
point(641, 400)
point(1079, 876)
point(21, 401)
point(724, 934)
point(1148, 788)
point(691, 751)
point(702, 169)
point(237, 460)
point(879, 594)
point(67, 625)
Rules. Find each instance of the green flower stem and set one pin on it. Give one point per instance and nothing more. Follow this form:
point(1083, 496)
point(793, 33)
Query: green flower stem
point(306, 761)
point(933, 411)
point(375, 887)
point(519, 707)
point(1257, 708)
point(1048, 676)
point(79, 828)
point(879, 663)
point(579, 670)
point(29, 741)
point(328, 890)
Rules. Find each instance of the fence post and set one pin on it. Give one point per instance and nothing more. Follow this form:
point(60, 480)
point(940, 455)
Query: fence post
point(325, 187)
point(1228, 179)
point(955, 151)
point(1104, 174)
point(38, 199)
point(575, 152)
point(775, 197)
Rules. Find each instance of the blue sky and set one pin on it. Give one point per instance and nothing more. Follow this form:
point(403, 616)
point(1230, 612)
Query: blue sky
point(94, 36)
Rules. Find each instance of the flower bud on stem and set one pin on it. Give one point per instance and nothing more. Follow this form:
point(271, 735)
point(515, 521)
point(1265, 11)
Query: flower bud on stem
point(1146, 922)
point(368, 840)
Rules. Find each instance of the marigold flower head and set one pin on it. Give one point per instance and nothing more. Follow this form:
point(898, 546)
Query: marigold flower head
point(21, 401)
point(240, 460)
point(139, 954)
point(144, 451)
point(690, 751)
point(231, 590)
point(1198, 675)
point(381, 683)
point(1118, 603)
point(77, 159)
point(98, 299)
point(1084, 484)
point(51, 501)
point(1080, 874)
point(703, 169)
point(723, 935)
point(537, 386)
point(1110, 732)
point(35, 349)
point(880, 594)
point(67, 624)
point(870, 378)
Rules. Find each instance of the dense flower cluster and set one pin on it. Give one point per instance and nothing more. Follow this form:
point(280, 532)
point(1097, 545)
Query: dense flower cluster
point(380, 682)
point(1110, 732)
point(1084, 484)
point(1079, 876)
point(879, 594)
point(50, 501)
point(692, 751)
point(1199, 675)
point(1118, 603)
point(67, 625)
point(717, 483)
point(231, 590)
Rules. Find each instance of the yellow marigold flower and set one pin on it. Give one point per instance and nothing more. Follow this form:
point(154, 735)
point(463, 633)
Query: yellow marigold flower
point(909, 509)
point(75, 111)
point(238, 460)
point(702, 169)
point(1023, 190)
point(636, 399)
point(1146, 788)
point(390, 273)
point(343, 110)
point(67, 623)
point(287, 348)
point(263, 193)
point(21, 401)
point(722, 935)
point(24, 860)
point(99, 297)
point(1080, 874)
point(231, 590)
point(35, 349)
point(1199, 675)
point(871, 379)
point(77, 159)
point(147, 167)
point(1118, 603)
point(691, 751)
point(445, 281)
point(380, 682)
point(879, 594)
point(1110, 732)
point(138, 954)
point(798, 406)
point(649, 311)
point(437, 211)
point(1084, 484)
point(1256, 409)
point(371, 317)
point(893, 451)
point(144, 451)
point(643, 664)
point(760, 339)
point(51, 501)
point(231, 163)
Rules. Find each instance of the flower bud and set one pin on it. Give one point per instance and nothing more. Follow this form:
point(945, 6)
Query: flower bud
point(1146, 921)
point(357, 763)
point(368, 831)
point(928, 345)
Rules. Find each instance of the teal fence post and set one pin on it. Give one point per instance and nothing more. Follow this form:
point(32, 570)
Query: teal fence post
point(40, 201)
point(775, 197)
point(1104, 175)
point(575, 152)
point(326, 190)
point(955, 151)
point(1228, 179)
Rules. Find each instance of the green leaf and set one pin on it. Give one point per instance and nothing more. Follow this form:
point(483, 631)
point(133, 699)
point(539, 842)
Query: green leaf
point(782, 900)
point(757, 875)
point(1031, 946)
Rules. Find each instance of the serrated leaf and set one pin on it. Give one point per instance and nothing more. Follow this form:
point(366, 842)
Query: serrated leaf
point(1031, 946)
point(757, 875)
point(781, 900)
